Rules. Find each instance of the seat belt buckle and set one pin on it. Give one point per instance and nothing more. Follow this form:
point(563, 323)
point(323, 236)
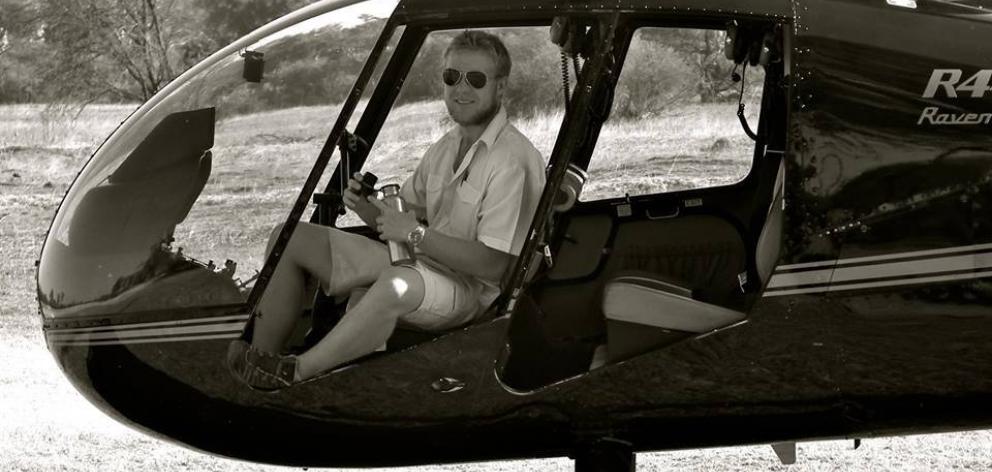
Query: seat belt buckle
point(548, 258)
point(742, 281)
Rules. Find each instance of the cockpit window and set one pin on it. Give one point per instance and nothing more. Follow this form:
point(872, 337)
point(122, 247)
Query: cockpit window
point(674, 122)
point(185, 193)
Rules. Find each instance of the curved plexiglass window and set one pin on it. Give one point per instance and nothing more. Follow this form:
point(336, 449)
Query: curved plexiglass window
point(175, 209)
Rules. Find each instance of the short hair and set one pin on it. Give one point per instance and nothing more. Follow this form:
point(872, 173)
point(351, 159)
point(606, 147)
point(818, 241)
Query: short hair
point(483, 42)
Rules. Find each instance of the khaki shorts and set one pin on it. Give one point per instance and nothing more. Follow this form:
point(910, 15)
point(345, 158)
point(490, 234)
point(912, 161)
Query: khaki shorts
point(450, 299)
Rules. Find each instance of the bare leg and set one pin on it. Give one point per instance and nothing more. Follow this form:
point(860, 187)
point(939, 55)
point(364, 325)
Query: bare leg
point(278, 310)
point(398, 291)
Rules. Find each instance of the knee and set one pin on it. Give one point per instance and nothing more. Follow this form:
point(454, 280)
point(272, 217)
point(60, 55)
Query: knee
point(297, 244)
point(402, 288)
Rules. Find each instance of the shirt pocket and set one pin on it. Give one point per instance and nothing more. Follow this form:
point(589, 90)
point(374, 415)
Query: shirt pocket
point(465, 210)
point(434, 189)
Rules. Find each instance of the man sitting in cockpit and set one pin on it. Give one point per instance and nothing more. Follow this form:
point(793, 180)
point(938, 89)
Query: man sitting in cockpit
point(477, 188)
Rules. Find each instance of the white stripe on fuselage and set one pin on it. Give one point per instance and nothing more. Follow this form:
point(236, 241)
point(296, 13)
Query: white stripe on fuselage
point(122, 327)
point(144, 333)
point(885, 257)
point(863, 272)
point(147, 341)
point(220, 327)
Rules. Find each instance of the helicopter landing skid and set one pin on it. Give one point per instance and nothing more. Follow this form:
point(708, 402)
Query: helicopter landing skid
point(606, 455)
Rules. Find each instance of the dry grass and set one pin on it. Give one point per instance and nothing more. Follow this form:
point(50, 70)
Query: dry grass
point(41, 151)
point(46, 425)
point(691, 147)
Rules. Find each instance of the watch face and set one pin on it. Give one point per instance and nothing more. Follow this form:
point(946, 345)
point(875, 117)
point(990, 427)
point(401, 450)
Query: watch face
point(416, 236)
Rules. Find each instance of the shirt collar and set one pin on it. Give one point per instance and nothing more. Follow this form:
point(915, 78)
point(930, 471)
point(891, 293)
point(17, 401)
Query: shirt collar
point(495, 126)
point(488, 138)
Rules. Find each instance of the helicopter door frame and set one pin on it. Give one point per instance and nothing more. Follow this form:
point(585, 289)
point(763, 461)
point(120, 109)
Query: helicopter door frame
point(577, 137)
point(742, 221)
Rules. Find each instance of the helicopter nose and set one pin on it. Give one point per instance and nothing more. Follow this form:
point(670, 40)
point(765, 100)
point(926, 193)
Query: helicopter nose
point(110, 250)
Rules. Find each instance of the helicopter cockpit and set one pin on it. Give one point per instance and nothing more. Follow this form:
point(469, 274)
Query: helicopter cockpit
point(173, 211)
point(660, 221)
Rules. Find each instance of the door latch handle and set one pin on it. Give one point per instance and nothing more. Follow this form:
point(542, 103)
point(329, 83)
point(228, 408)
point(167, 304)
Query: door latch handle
point(663, 216)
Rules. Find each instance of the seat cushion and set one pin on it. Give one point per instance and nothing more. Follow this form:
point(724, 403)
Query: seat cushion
point(654, 300)
point(705, 252)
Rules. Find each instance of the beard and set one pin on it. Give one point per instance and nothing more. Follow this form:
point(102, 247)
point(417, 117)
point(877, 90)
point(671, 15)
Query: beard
point(480, 117)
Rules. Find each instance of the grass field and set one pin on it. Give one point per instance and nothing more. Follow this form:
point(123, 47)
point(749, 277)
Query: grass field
point(46, 425)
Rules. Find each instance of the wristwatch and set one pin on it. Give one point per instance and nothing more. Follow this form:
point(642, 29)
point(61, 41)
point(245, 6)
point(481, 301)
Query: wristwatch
point(416, 236)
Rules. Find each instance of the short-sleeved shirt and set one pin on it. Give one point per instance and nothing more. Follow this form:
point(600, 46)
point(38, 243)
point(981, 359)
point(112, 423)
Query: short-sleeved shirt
point(491, 197)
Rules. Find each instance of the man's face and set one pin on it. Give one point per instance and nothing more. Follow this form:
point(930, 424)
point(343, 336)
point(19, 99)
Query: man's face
point(466, 104)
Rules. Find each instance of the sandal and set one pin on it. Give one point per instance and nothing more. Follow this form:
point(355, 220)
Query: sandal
point(258, 369)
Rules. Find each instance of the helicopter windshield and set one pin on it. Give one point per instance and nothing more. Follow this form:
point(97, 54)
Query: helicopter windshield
point(184, 193)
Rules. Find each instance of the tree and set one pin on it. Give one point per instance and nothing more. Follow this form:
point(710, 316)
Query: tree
point(654, 78)
point(702, 50)
point(115, 50)
point(118, 49)
point(231, 19)
point(21, 52)
point(16, 20)
point(706, 51)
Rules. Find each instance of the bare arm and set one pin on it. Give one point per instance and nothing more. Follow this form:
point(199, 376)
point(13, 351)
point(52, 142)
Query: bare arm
point(468, 257)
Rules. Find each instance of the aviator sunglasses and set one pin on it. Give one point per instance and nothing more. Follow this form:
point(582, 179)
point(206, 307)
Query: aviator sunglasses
point(453, 77)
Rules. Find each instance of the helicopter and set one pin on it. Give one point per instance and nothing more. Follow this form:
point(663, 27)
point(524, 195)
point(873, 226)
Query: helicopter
point(838, 286)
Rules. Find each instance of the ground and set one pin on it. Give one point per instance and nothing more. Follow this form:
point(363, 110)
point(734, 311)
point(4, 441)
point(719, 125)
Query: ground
point(46, 425)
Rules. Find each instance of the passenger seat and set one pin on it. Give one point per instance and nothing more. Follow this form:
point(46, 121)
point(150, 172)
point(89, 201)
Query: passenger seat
point(646, 310)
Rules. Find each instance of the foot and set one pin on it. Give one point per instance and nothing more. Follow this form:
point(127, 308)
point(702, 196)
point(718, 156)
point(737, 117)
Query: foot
point(260, 370)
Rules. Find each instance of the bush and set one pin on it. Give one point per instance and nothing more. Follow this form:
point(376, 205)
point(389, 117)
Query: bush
point(654, 77)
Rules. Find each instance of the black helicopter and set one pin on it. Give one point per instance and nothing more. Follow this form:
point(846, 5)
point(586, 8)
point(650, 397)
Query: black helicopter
point(841, 288)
